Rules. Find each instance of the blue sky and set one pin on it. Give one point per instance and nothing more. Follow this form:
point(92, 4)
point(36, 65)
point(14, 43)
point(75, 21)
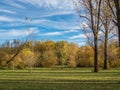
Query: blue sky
point(51, 20)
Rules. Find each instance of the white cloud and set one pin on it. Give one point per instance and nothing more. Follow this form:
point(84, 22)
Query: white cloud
point(12, 33)
point(58, 33)
point(17, 5)
point(39, 21)
point(5, 19)
point(56, 12)
point(78, 36)
point(13, 3)
point(11, 21)
point(61, 25)
point(56, 4)
point(7, 11)
point(81, 43)
point(8, 34)
point(70, 31)
point(76, 27)
point(51, 34)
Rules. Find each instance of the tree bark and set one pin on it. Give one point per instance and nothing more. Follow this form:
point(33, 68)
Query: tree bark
point(105, 51)
point(95, 53)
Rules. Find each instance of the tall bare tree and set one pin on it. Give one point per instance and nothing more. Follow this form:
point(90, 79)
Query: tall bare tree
point(116, 13)
point(92, 10)
point(106, 20)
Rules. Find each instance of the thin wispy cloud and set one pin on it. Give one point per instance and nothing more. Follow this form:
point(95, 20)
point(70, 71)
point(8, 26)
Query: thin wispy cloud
point(13, 3)
point(51, 34)
point(78, 36)
point(62, 25)
point(71, 30)
point(7, 11)
point(57, 33)
point(56, 12)
point(55, 4)
point(4, 34)
point(50, 20)
point(6, 19)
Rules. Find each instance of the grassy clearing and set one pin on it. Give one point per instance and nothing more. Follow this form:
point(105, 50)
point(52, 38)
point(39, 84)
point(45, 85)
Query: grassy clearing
point(56, 79)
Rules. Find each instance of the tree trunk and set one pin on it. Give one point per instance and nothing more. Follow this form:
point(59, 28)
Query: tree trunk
point(119, 29)
point(117, 6)
point(105, 51)
point(95, 53)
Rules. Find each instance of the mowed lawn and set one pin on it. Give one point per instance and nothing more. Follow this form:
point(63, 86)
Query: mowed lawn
point(57, 79)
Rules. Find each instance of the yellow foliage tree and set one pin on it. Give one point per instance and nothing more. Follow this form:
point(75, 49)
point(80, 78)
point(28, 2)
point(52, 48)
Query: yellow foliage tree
point(73, 48)
point(28, 57)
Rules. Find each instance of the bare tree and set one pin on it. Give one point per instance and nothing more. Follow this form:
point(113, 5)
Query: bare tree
point(117, 7)
point(116, 13)
point(23, 43)
point(106, 20)
point(92, 10)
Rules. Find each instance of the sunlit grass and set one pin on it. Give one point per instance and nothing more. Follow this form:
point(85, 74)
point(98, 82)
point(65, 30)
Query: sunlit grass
point(54, 79)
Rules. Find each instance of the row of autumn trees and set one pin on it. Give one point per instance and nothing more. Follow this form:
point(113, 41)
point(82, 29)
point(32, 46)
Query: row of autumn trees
point(102, 18)
point(49, 53)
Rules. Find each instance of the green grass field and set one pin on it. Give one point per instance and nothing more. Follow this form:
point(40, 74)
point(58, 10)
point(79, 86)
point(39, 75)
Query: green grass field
point(57, 79)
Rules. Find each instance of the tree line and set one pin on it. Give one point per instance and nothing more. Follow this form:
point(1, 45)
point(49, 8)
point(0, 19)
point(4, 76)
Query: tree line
point(101, 27)
point(50, 53)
